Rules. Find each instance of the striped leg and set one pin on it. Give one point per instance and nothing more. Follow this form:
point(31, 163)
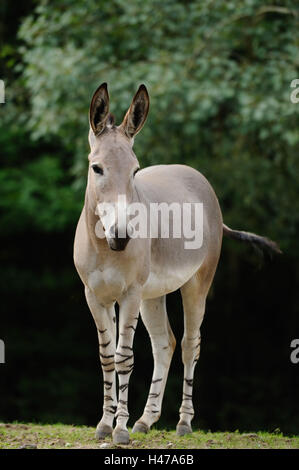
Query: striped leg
point(124, 360)
point(105, 322)
point(154, 316)
point(194, 309)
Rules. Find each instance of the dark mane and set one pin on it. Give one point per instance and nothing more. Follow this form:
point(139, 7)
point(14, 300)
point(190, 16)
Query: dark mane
point(111, 120)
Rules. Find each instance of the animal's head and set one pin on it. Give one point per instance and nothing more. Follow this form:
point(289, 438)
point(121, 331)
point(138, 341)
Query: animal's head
point(112, 162)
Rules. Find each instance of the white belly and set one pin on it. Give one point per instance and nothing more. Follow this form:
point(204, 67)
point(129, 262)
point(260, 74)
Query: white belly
point(163, 282)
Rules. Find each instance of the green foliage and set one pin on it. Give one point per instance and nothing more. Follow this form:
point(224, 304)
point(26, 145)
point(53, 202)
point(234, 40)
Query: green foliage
point(219, 78)
point(35, 192)
point(34, 196)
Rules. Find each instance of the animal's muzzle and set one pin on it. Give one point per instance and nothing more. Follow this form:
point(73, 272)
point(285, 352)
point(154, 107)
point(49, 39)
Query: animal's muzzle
point(118, 241)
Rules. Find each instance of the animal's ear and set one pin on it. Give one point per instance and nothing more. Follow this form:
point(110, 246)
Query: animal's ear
point(137, 113)
point(99, 109)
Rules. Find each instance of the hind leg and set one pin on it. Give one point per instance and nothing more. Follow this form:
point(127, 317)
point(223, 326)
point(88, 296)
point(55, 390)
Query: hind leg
point(154, 316)
point(194, 294)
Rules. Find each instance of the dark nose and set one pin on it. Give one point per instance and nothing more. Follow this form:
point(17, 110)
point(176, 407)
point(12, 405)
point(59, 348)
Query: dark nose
point(118, 241)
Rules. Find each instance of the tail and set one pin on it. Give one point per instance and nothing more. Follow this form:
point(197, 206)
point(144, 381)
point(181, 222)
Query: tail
point(257, 241)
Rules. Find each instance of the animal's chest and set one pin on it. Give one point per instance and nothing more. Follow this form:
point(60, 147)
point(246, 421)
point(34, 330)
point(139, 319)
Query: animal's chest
point(108, 284)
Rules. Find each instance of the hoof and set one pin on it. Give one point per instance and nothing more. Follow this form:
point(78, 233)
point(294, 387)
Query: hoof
point(139, 426)
point(103, 430)
point(121, 436)
point(183, 429)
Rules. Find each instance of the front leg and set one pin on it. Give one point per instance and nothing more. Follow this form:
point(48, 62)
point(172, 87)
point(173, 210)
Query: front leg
point(124, 359)
point(105, 322)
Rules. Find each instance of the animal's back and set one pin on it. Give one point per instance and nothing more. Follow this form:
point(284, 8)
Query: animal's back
point(176, 183)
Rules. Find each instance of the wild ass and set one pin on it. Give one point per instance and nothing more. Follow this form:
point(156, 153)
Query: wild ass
point(137, 273)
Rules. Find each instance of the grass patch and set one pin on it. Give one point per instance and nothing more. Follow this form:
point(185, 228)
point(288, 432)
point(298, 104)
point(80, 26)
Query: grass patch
point(60, 436)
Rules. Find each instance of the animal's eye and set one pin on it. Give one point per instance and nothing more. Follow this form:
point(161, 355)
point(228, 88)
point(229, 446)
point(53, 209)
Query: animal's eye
point(97, 169)
point(136, 171)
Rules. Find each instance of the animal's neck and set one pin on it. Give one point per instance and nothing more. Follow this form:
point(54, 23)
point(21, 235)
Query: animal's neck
point(91, 219)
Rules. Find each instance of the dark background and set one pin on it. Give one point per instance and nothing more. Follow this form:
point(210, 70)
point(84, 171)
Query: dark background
point(242, 133)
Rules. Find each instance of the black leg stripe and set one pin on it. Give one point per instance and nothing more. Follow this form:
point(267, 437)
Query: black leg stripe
point(153, 395)
point(123, 387)
point(107, 398)
point(125, 372)
point(107, 384)
point(104, 345)
point(189, 382)
point(106, 364)
point(155, 381)
point(121, 415)
point(123, 360)
point(131, 326)
point(124, 355)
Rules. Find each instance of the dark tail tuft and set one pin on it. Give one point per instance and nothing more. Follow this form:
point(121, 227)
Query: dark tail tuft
point(257, 241)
